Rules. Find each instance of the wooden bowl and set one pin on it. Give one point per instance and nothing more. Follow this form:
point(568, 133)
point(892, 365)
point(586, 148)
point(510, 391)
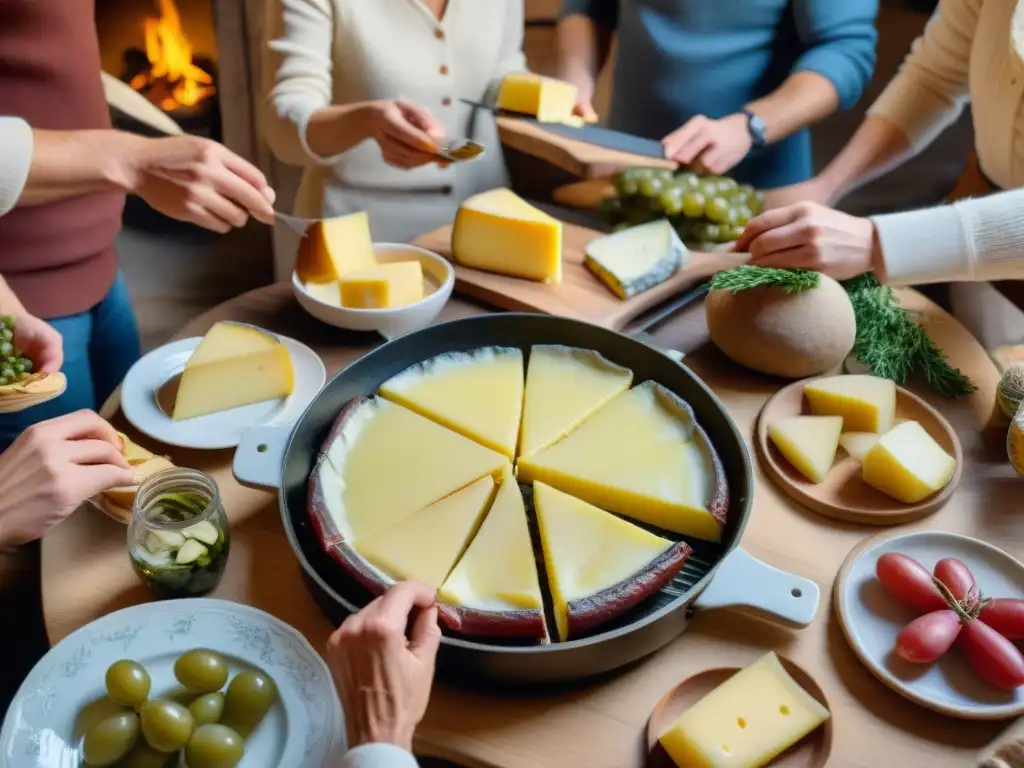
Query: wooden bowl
point(843, 494)
point(810, 752)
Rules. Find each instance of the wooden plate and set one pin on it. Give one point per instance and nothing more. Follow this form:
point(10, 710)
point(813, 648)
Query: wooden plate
point(810, 752)
point(843, 495)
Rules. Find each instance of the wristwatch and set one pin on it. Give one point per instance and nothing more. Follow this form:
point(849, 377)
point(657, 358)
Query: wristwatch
point(756, 128)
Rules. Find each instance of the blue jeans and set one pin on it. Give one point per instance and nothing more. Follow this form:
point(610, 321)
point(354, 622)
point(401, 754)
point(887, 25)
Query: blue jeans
point(100, 345)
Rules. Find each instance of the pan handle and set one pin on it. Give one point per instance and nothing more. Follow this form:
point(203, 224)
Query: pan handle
point(743, 581)
point(259, 457)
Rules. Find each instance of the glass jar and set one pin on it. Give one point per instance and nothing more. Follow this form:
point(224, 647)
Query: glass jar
point(178, 538)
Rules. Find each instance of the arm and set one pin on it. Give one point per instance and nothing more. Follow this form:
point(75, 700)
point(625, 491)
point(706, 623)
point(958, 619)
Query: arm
point(584, 40)
point(510, 56)
point(15, 160)
point(10, 304)
point(378, 756)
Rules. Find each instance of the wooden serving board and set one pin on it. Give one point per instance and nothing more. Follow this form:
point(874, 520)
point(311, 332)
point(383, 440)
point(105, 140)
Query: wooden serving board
point(580, 295)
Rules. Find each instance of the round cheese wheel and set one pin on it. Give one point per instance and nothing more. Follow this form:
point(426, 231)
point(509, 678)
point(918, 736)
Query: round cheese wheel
point(792, 335)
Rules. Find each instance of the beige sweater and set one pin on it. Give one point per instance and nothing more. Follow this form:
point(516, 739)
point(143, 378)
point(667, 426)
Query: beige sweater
point(323, 52)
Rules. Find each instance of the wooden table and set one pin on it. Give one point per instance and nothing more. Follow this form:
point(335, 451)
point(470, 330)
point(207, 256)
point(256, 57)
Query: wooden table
point(86, 574)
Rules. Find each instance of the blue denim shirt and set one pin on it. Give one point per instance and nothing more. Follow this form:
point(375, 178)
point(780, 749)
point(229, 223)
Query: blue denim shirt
point(680, 58)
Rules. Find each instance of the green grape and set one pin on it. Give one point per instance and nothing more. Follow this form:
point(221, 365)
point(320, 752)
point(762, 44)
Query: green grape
point(693, 204)
point(717, 209)
point(731, 232)
point(688, 179)
point(626, 187)
point(746, 190)
point(743, 214)
point(705, 232)
point(650, 187)
point(6, 349)
point(671, 200)
point(684, 228)
point(6, 372)
point(727, 185)
point(6, 334)
point(19, 368)
point(666, 175)
point(7, 321)
point(708, 187)
point(609, 209)
point(26, 364)
point(756, 203)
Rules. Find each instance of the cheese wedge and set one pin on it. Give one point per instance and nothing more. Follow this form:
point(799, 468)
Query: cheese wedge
point(857, 444)
point(497, 231)
point(587, 552)
point(547, 99)
point(327, 293)
point(332, 248)
point(809, 443)
point(234, 365)
point(564, 386)
point(637, 259)
point(643, 456)
point(478, 394)
point(133, 453)
point(383, 286)
point(866, 403)
point(746, 721)
point(908, 464)
point(425, 545)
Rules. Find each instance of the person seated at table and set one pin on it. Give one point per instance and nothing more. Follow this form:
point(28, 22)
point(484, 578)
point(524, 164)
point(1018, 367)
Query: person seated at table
point(727, 87)
point(360, 93)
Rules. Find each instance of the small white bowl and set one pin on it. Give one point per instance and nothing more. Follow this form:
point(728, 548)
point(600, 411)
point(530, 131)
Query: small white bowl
point(438, 277)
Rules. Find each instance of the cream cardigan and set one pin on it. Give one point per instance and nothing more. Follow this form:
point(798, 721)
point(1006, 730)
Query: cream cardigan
point(322, 52)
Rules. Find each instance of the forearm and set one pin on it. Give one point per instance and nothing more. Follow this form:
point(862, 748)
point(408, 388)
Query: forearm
point(583, 47)
point(9, 302)
point(70, 163)
point(338, 128)
point(803, 99)
point(878, 146)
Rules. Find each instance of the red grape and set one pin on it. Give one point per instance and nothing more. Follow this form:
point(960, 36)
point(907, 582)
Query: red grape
point(958, 578)
point(994, 658)
point(909, 582)
point(1006, 616)
point(928, 637)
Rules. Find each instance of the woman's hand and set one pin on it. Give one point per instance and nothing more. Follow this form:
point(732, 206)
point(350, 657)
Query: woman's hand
point(39, 342)
point(811, 236)
point(52, 468)
point(383, 676)
point(709, 145)
point(810, 191)
point(407, 133)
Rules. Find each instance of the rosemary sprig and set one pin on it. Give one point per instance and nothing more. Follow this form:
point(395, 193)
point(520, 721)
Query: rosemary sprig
point(748, 276)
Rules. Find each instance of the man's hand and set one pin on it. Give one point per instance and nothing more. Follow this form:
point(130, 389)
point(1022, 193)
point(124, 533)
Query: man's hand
point(384, 677)
point(711, 146)
point(407, 133)
point(39, 342)
point(810, 191)
point(52, 468)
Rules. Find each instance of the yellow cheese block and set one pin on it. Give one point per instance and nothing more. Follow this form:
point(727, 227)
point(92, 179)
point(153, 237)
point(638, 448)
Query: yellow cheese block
point(564, 386)
point(643, 456)
point(497, 231)
point(499, 570)
point(746, 721)
point(587, 550)
point(547, 99)
point(478, 394)
point(235, 364)
point(394, 284)
point(386, 462)
point(809, 443)
point(907, 464)
point(425, 545)
point(334, 247)
point(857, 444)
point(866, 403)
point(328, 293)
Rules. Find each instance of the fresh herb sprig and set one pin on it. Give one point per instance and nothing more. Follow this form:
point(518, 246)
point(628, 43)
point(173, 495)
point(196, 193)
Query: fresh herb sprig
point(748, 276)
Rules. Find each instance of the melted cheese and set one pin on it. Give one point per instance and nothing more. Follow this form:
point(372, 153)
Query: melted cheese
point(383, 286)
point(334, 247)
point(547, 99)
point(866, 403)
point(907, 464)
point(636, 259)
point(809, 443)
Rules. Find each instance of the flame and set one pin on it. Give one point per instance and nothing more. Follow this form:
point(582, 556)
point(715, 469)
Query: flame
point(170, 58)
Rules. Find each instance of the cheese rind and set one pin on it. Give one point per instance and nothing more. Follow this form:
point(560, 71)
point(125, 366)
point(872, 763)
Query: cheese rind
point(746, 721)
point(383, 286)
point(636, 259)
point(809, 443)
point(857, 444)
point(866, 403)
point(547, 99)
point(334, 247)
point(908, 464)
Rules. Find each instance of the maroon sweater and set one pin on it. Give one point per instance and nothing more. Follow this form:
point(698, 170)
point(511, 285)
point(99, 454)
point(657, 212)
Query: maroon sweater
point(59, 258)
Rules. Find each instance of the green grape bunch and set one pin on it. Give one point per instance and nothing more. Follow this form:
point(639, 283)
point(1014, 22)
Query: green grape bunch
point(14, 366)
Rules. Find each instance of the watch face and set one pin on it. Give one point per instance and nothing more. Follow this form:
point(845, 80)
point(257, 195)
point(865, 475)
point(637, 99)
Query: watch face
point(756, 126)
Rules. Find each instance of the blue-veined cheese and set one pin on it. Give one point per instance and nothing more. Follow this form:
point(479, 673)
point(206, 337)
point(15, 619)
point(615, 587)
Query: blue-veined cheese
point(637, 259)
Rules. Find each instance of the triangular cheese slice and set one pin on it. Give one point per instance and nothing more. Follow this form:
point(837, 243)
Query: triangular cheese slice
point(564, 386)
point(425, 545)
point(478, 394)
point(809, 443)
point(332, 248)
point(644, 456)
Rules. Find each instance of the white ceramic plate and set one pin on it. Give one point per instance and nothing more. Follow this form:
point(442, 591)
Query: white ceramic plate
point(217, 430)
point(303, 728)
point(871, 619)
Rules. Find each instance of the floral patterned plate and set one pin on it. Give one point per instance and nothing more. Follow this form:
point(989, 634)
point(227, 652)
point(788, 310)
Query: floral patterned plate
point(304, 727)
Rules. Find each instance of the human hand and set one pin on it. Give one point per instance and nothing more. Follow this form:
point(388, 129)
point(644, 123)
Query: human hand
point(812, 236)
point(407, 133)
point(810, 191)
point(710, 146)
point(53, 467)
point(39, 341)
point(384, 677)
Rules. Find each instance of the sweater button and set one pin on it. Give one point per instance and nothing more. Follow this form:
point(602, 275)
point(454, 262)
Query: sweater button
point(446, 101)
point(439, 34)
point(444, 69)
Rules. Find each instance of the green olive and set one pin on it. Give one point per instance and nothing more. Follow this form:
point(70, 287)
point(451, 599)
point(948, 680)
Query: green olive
point(95, 712)
point(128, 683)
point(207, 708)
point(248, 698)
point(717, 210)
point(6, 334)
point(7, 372)
point(693, 204)
point(6, 349)
point(7, 321)
point(144, 756)
point(109, 741)
point(201, 671)
point(166, 725)
point(214, 746)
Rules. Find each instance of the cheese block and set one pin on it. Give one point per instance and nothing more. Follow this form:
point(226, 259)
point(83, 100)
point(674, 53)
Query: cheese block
point(809, 443)
point(564, 386)
point(547, 99)
point(332, 248)
point(598, 565)
point(746, 721)
point(908, 464)
point(327, 293)
point(495, 590)
point(644, 456)
point(235, 364)
point(383, 286)
point(636, 259)
point(425, 545)
point(497, 231)
point(478, 394)
point(857, 444)
point(866, 403)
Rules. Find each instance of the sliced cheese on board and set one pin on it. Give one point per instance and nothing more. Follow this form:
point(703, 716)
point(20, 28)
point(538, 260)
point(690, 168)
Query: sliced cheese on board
point(857, 444)
point(866, 403)
point(235, 364)
point(644, 456)
point(908, 464)
point(334, 247)
point(425, 545)
point(809, 443)
point(636, 259)
point(383, 286)
point(547, 99)
point(498, 231)
point(478, 394)
point(746, 721)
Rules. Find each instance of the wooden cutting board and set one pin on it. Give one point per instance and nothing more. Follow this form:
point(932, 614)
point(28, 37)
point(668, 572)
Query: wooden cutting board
point(580, 295)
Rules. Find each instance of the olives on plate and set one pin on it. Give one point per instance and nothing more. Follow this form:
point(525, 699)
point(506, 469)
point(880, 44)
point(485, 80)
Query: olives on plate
point(110, 740)
point(128, 683)
point(201, 671)
point(207, 708)
point(247, 701)
point(166, 725)
point(214, 746)
point(144, 756)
